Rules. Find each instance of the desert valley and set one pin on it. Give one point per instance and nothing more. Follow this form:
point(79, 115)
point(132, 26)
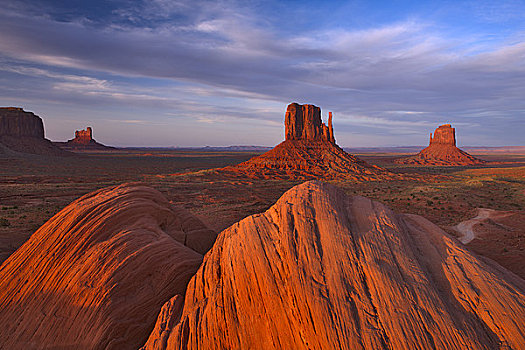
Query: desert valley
point(103, 247)
point(224, 174)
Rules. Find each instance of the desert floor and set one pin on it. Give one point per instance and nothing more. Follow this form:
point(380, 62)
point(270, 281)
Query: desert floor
point(34, 188)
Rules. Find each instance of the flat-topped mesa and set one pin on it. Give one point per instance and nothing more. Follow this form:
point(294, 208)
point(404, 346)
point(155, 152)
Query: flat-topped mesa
point(16, 122)
point(303, 122)
point(83, 136)
point(444, 135)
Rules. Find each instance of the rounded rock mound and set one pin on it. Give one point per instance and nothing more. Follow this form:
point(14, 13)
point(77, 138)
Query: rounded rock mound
point(322, 270)
point(97, 273)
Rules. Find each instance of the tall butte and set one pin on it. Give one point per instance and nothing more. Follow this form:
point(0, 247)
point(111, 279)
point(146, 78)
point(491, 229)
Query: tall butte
point(23, 132)
point(442, 150)
point(309, 151)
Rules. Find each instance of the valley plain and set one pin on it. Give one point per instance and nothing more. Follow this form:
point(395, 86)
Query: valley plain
point(34, 188)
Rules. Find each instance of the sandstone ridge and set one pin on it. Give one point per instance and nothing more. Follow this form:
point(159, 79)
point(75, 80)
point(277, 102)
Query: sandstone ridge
point(321, 270)
point(442, 150)
point(308, 152)
point(96, 274)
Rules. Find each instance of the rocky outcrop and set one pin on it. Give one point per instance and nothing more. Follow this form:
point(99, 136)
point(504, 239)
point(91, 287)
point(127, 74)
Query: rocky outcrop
point(321, 270)
point(308, 152)
point(23, 132)
point(442, 150)
point(18, 123)
point(96, 275)
point(83, 136)
point(83, 141)
point(303, 122)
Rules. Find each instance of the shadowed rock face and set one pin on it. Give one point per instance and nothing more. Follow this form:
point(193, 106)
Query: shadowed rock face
point(96, 274)
point(308, 152)
point(23, 132)
point(19, 123)
point(442, 150)
point(321, 270)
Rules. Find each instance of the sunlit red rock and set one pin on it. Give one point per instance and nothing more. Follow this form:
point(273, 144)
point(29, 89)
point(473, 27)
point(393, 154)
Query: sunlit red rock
point(308, 152)
point(321, 270)
point(442, 150)
point(83, 141)
point(96, 275)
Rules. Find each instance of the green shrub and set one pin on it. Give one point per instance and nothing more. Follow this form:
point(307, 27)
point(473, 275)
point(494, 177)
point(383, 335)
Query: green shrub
point(4, 222)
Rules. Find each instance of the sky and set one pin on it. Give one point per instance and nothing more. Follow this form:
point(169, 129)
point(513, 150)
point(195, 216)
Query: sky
point(219, 73)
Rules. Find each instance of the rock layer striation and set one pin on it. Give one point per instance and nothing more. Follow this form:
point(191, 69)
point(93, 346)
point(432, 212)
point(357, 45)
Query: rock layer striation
point(96, 274)
point(321, 270)
point(442, 150)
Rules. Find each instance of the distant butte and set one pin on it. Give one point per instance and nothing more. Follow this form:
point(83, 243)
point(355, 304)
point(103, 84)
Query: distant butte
point(83, 141)
point(442, 150)
point(23, 132)
point(308, 152)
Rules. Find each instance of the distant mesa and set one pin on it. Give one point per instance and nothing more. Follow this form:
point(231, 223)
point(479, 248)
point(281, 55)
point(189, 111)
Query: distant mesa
point(442, 150)
point(23, 132)
point(96, 275)
point(83, 141)
point(308, 152)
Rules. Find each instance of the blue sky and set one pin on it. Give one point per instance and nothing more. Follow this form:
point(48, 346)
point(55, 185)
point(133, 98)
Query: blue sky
point(191, 73)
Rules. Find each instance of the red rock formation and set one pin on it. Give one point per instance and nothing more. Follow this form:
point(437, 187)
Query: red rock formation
point(303, 122)
point(83, 136)
point(442, 150)
point(83, 141)
point(308, 152)
point(320, 270)
point(23, 132)
point(96, 274)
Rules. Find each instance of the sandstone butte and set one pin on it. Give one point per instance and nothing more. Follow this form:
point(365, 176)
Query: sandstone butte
point(83, 140)
point(96, 275)
point(308, 152)
point(23, 132)
point(442, 150)
point(321, 270)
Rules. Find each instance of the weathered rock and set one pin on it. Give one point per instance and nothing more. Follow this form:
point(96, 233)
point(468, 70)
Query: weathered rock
point(444, 135)
point(303, 122)
point(23, 132)
point(308, 152)
point(83, 141)
point(17, 122)
point(442, 150)
point(321, 270)
point(83, 136)
point(96, 275)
